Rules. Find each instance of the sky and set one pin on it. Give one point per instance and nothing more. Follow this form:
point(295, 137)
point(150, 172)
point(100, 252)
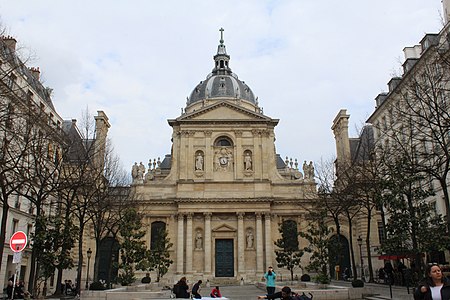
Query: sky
point(138, 60)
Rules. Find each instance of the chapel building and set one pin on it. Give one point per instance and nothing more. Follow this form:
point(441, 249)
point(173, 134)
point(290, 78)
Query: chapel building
point(223, 189)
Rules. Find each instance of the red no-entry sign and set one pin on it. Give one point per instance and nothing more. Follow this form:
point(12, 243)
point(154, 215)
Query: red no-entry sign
point(18, 241)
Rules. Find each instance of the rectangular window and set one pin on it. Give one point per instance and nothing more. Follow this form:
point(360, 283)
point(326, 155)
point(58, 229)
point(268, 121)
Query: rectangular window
point(29, 231)
point(433, 208)
point(17, 202)
point(30, 96)
point(380, 232)
point(15, 226)
point(12, 80)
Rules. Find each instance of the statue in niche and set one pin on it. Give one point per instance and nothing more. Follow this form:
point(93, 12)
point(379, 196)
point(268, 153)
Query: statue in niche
point(247, 162)
point(198, 240)
point(249, 239)
point(199, 162)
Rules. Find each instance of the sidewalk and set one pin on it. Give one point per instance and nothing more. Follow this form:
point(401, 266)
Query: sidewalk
point(398, 292)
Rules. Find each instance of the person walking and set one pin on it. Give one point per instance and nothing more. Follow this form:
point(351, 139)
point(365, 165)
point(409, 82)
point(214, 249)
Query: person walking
point(434, 286)
point(270, 276)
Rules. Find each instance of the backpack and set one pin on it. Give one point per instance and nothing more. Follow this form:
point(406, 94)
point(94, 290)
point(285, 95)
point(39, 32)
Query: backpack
point(302, 296)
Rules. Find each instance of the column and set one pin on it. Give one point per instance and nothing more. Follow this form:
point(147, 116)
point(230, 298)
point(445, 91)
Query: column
point(180, 241)
point(241, 243)
point(207, 243)
point(259, 244)
point(189, 243)
point(268, 240)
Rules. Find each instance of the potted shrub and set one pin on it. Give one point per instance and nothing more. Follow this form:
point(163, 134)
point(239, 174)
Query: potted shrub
point(146, 279)
point(357, 283)
point(305, 277)
point(97, 286)
point(322, 280)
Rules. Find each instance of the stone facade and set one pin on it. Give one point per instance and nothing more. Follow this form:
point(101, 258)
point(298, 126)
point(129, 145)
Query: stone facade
point(223, 189)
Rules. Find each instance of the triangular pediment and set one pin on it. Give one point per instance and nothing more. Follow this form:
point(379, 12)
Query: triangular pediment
point(224, 228)
point(224, 110)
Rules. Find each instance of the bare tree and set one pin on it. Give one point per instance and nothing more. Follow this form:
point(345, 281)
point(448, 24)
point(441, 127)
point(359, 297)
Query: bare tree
point(420, 116)
point(14, 109)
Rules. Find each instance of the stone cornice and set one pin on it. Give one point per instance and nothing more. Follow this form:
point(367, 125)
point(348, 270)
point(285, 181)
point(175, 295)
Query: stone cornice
point(222, 200)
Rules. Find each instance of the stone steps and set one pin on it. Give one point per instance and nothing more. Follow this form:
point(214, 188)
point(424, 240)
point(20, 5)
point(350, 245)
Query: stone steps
point(376, 297)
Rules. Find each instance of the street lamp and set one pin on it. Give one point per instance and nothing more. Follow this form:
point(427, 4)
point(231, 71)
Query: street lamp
point(89, 253)
point(360, 242)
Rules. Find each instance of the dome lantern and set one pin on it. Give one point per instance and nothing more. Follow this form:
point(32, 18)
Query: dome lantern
point(221, 83)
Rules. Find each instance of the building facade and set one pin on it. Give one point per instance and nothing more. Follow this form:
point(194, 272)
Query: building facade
point(35, 142)
point(223, 189)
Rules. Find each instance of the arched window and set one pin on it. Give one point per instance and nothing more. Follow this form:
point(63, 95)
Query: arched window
point(157, 231)
point(290, 234)
point(223, 142)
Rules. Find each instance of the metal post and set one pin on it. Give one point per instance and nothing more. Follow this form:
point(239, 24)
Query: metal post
point(360, 241)
point(89, 253)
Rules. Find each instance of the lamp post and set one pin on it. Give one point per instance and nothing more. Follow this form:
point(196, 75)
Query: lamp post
point(360, 242)
point(89, 253)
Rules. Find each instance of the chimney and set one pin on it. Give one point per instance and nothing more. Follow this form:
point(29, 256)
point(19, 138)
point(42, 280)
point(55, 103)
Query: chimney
point(393, 83)
point(10, 42)
point(36, 73)
point(380, 99)
point(412, 52)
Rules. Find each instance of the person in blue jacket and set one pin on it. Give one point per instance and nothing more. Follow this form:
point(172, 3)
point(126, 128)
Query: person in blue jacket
point(270, 276)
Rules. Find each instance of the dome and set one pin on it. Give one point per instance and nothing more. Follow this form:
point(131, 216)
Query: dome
point(221, 82)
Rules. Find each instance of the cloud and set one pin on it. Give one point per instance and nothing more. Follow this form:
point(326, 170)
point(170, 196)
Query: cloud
point(138, 60)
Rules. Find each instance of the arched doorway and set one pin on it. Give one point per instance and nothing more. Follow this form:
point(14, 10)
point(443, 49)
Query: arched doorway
point(340, 258)
point(108, 254)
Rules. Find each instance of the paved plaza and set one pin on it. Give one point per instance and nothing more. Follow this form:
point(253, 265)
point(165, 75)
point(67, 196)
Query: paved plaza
point(249, 292)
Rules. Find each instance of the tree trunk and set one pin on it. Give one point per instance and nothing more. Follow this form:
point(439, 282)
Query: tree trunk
point(352, 252)
point(5, 211)
point(32, 278)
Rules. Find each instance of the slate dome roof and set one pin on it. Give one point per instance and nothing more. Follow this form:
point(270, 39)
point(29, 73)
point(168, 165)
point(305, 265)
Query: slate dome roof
point(221, 82)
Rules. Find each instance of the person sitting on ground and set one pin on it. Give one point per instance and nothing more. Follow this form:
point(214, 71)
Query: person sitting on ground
point(196, 290)
point(287, 294)
point(215, 293)
point(284, 294)
point(9, 289)
point(181, 288)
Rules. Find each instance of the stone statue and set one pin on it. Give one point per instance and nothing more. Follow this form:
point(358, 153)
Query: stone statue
point(249, 239)
point(305, 170)
point(198, 240)
point(311, 170)
point(199, 162)
point(247, 162)
point(140, 171)
point(134, 171)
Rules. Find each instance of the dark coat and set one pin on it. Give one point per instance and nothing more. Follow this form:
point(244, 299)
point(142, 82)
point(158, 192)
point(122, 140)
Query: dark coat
point(181, 290)
point(445, 290)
